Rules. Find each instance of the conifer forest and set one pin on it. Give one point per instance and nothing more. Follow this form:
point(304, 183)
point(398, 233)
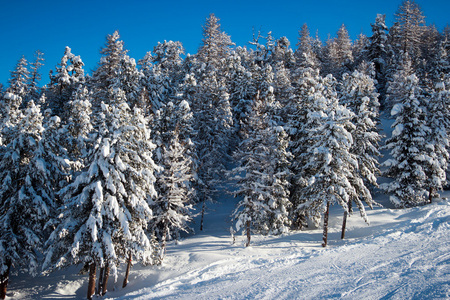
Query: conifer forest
point(104, 169)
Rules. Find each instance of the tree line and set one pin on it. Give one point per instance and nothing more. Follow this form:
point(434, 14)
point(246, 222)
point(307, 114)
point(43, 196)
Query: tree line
point(105, 168)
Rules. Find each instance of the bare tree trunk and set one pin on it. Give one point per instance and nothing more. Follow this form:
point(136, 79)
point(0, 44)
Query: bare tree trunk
point(127, 273)
point(325, 225)
point(105, 279)
point(344, 224)
point(4, 280)
point(100, 281)
point(248, 233)
point(91, 286)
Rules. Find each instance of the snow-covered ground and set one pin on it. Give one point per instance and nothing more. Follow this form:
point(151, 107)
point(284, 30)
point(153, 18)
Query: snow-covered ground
point(403, 254)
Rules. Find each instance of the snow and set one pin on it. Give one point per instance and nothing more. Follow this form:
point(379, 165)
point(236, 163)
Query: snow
point(404, 253)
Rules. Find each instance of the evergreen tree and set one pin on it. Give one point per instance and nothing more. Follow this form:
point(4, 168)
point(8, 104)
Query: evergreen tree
point(308, 87)
point(172, 207)
point(25, 197)
point(359, 49)
point(376, 53)
point(19, 79)
point(407, 32)
point(106, 209)
point(339, 56)
point(79, 127)
point(34, 90)
point(395, 84)
point(439, 124)
point(242, 90)
point(329, 175)
point(304, 44)
point(68, 77)
point(263, 174)
point(408, 147)
point(211, 109)
point(116, 70)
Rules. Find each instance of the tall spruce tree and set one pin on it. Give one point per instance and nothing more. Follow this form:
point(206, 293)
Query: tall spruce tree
point(174, 185)
point(408, 147)
point(26, 197)
point(68, 77)
point(262, 173)
point(106, 209)
point(211, 109)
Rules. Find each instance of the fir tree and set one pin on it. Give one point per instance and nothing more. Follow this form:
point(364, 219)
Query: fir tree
point(330, 172)
point(106, 209)
point(19, 79)
point(263, 163)
point(377, 51)
point(438, 144)
point(34, 90)
point(172, 208)
point(212, 110)
point(408, 147)
point(25, 197)
point(68, 77)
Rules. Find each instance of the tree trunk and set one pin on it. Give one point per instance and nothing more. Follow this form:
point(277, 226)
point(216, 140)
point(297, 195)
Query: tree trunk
point(4, 279)
point(325, 225)
point(203, 215)
point(127, 273)
point(91, 286)
point(100, 281)
point(105, 279)
point(344, 224)
point(248, 233)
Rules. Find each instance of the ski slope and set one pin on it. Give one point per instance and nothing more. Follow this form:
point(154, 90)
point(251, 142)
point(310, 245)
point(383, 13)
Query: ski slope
point(403, 254)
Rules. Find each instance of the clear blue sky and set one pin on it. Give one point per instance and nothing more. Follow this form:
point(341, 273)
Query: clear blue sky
point(49, 26)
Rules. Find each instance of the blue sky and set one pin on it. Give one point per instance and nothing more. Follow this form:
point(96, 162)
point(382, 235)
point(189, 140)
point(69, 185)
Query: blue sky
point(49, 26)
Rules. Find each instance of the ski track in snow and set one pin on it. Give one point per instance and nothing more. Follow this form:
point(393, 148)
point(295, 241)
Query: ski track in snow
point(402, 254)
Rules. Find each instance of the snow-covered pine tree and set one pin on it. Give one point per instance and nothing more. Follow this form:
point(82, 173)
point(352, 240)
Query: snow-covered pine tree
point(408, 147)
point(359, 95)
point(26, 201)
point(79, 126)
point(359, 49)
point(69, 75)
point(106, 209)
point(308, 86)
point(282, 55)
point(329, 174)
point(162, 73)
point(395, 84)
point(339, 56)
point(407, 32)
point(212, 110)
point(304, 45)
point(241, 90)
point(262, 173)
point(283, 91)
point(172, 207)
point(437, 140)
point(115, 70)
point(34, 92)
point(19, 79)
point(376, 52)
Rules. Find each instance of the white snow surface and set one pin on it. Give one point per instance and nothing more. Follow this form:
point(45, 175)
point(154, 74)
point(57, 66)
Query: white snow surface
point(403, 254)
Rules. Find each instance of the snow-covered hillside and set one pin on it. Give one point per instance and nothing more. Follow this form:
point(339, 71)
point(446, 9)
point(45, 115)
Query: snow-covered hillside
point(403, 254)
